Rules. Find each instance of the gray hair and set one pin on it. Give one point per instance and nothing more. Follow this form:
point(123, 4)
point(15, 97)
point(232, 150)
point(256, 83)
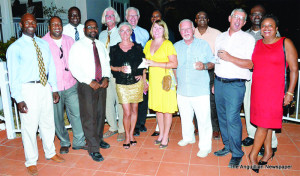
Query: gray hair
point(239, 10)
point(124, 24)
point(117, 17)
point(184, 20)
point(133, 8)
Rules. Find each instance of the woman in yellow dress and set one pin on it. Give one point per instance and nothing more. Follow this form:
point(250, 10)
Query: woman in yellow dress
point(161, 59)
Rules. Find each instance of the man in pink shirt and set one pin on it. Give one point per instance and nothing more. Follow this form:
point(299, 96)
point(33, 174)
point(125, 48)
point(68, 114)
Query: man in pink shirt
point(60, 46)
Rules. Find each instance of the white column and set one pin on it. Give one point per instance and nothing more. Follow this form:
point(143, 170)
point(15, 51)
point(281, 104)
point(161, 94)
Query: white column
point(7, 20)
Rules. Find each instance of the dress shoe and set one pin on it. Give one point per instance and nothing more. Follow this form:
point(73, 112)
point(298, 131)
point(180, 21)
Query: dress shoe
point(155, 133)
point(104, 145)
point(247, 141)
point(32, 170)
point(184, 143)
point(64, 149)
point(136, 132)
point(85, 147)
point(109, 133)
point(216, 135)
point(96, 156)
point(203, 153)
point(143, 128)
point(58, 159)
point(262, 163)
point(222, 152)
point(235, 162)
point(262, 151)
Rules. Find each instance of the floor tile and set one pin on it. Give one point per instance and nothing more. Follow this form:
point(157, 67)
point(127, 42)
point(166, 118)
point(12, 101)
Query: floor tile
point(150, 154)
point(176, 156)
point(143, 167)
point(289, 161)
point(172, 169)
point(196, 170)
point(226, 171)
point(18, 154)
point(115, 165)
point(211, 159)
point(51, 170)
point(6, 150)
point(103, 173)
point(120, 152)
point(86, 162)
point(287, 149)
point(79, 172)
point(70, 160)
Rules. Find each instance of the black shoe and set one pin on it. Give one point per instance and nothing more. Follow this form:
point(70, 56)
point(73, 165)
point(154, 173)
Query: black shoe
point(64, 149)
point(222, 152)
point(235, 162)
point(136, 132)
point(85, 147)
point(247, 141)
point(262, 151)
point(104, 145)
point(156, 133)
point(96, 156)
point(143, 128)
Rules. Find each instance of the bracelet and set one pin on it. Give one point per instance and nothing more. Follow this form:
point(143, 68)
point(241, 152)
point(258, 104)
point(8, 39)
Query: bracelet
point(289, 93)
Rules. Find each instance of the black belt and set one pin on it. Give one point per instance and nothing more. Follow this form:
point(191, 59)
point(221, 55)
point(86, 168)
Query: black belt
point(225, 80)
point(36, 82)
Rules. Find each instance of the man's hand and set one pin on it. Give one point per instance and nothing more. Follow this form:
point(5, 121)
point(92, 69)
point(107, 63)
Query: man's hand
point(199, 66)
point(22, 107)
point(104, 83)
point(94, 85)
point(55, 97)
point(224, 55)
point(213, 89)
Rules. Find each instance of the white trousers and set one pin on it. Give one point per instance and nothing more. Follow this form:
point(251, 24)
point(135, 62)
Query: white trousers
point(250, 128)
point(39, 102)
point(199, 105)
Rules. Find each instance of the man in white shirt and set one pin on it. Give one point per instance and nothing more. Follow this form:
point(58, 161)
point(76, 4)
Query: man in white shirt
point(89, 64)
point(74, 29)
point(111, 37)
point(234, 49)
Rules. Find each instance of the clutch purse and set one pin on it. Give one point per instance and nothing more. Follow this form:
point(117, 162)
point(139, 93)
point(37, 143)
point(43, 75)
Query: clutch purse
point(166, 81)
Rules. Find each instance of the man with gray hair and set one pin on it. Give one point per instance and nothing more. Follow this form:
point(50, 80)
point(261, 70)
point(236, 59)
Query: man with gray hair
point(233, 49)
point(111, 37)
point(140, 36)
point(195, 58)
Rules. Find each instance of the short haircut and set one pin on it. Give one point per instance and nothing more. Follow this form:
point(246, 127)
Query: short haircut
point(162, 24)
point(184, 21)
point(133, 8)
point(270, 16)
point(261, 6)
point(117, 17)
point(27, 14)
point(49, 23)
point(203, 12)
point(239, 10)
point(89, 20)
point(124, 24)
point(74, 8)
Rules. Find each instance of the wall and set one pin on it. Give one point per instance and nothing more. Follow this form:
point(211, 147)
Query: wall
point(96, 9)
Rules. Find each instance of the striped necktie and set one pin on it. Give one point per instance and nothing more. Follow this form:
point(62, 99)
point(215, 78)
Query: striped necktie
point(43, 77)
point(76, 34)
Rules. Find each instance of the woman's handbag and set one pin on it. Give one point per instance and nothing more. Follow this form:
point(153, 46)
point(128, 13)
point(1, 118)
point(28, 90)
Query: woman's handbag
point(167, 81)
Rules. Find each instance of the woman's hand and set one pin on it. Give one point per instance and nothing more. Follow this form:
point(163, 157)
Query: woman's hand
point(138, 77)
point(146, 86)
point(287, 99)
point(149, 62)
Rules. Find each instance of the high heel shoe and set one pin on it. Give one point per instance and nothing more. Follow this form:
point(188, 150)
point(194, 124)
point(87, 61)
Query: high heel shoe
point(162, 146)
point(133, 143)
point(255, 168)
point(157, 142)
point(262, 163)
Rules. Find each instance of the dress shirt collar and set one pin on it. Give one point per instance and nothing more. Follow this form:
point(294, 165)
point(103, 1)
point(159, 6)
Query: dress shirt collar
point(238, 32)
point(26, 37)
point(112, 30)
point(208, 29)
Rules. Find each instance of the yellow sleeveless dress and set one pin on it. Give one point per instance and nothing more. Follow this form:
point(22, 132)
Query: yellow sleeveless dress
point(159, 99)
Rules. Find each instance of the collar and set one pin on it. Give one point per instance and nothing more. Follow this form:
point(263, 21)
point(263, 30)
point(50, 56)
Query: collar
point(112, 30)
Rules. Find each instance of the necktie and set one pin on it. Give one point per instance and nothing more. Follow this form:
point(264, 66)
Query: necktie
point(76, 34)
point(43, 77)
point(98, 69)
point(108, 40)
point(133, 36)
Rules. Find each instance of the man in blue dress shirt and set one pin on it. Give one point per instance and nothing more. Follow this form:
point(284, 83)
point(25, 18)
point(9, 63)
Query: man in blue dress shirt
point(32, 75)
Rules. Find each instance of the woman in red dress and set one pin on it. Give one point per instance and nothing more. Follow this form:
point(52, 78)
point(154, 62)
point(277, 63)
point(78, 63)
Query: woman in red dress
point(267, 92)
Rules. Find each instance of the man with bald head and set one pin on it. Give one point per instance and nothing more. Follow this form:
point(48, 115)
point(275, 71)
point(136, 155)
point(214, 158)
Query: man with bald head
point(74, 29)
point(32, 80)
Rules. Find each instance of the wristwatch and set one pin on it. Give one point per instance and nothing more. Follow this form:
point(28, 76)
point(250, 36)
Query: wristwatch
point(205, 67)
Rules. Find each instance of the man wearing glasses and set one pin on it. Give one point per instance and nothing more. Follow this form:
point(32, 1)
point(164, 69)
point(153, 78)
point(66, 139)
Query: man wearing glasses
point(234, 50)
point(89, 64)
point(60, 46)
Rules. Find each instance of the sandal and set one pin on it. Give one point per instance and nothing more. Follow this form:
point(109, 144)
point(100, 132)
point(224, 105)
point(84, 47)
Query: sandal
point(157, 142)
point(133, 143)
point(162, 146)
point(126, 146)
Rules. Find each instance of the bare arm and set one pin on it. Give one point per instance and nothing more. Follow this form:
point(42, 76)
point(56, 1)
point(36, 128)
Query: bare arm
point(171, 64)
point(242, 63)
point(200, 66)
point(292, 60)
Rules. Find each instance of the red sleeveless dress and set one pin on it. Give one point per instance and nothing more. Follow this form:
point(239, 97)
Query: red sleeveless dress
point(267, 91)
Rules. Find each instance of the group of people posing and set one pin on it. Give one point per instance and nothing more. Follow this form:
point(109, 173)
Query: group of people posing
point(212, 75)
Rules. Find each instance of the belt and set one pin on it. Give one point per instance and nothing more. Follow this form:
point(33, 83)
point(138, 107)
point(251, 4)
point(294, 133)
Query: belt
point(225, 80)
point(36, 82)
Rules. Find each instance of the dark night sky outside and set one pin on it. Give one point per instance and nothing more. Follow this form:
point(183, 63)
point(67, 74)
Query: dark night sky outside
point(287, 11)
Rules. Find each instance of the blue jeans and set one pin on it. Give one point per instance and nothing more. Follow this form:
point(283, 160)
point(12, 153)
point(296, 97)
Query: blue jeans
point(229, 98)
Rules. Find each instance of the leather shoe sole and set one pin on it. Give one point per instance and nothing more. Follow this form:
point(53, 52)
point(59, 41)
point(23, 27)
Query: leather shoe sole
point(58, 159)
point(32, 170)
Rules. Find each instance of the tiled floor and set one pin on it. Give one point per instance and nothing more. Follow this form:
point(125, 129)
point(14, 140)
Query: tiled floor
point(147, 159)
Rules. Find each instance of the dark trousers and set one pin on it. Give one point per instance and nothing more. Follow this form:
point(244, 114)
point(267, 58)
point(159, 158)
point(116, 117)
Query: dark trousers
point(213, 109)
point(92, 104)
point(142, 111)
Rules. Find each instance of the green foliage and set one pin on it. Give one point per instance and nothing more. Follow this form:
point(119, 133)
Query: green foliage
point(53, 11)
point(4, 46)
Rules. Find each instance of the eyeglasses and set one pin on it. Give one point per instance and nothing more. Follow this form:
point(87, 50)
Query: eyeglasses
point(61, 53)
point(238, 17)
point(132, 16)
point(107, 16)
point(90, 27)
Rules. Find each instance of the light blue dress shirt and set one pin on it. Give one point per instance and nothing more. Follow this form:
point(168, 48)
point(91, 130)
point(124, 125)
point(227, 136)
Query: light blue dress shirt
point(141, 35)
point(22, 64)
point(192, 82)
